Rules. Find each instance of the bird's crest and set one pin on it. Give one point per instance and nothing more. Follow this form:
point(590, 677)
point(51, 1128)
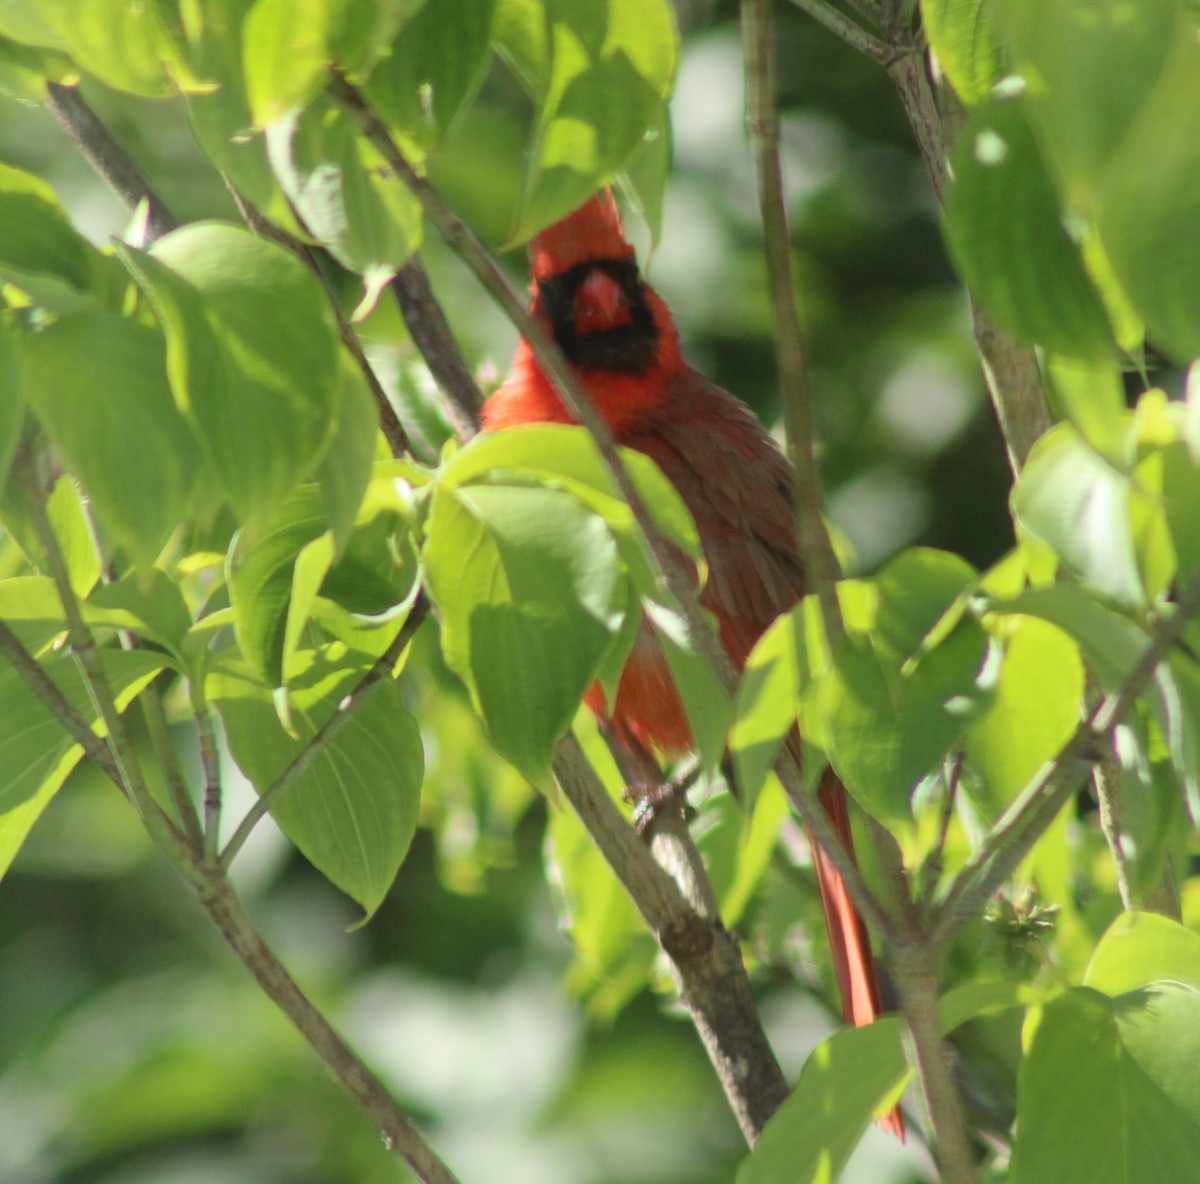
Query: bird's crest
point(591, 232)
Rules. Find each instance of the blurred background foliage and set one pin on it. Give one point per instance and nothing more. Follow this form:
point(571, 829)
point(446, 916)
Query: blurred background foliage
point(134, 1050)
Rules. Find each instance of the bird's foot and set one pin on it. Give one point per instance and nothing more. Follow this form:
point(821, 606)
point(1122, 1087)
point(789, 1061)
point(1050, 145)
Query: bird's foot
point(651, 803)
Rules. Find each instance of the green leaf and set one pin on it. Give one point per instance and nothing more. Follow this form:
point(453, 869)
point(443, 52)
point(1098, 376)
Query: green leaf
point(347, 197)
point(1112, 645)
point(852, 1075)
point(345, 469)
point(905, 685)
point(614, 952)
point(1111, 642)
point(1089, 65)
point(1139, 948)
point(1149, 202)
point(1006, 233)
point(599, 76)
point(706, 703)
point(965, 36)
point(98, 383)
point(366, 30)
point(434, 68)
point(530, 595)
point(35, 237)
point(289, 45)
point(153, 603)
point(567, 458)
point(277, 570)
point(220, 116)
point(251, 355)
point(127, 44)
point(353, 812)
point(980, 997)
point(34, 747)
point(69, 522)
point(12, 404)
point(25, 69)
point(1119, 1075)
point(1035, 712)
point(260, 580)
point(767, 703)
point(1180, 484)
point(286, 54)
point(1078, 504)
point(644, 179)
point(1092, 398)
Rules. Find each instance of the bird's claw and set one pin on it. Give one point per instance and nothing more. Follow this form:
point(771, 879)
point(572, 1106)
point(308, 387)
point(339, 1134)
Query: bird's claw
point(651, 802)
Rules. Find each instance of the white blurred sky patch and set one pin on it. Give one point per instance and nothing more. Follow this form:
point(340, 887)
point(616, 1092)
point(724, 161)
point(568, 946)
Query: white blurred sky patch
point(880, 512)
point(926, 402)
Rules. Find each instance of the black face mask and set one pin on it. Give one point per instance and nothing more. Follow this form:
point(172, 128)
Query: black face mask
point(624, 349)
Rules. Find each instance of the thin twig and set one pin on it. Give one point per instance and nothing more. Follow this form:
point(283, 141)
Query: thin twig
point(852, 33)
point(84, 648)
point(1106, 781)
point(430, 331)
point(46, 691)
point(177, 788)
point(808, 806)
point(107, 157)
point(400, 1135)
point(210, 762)
point(931, 870)
point(1035, 808)
point(382, 668)
point(821, 567)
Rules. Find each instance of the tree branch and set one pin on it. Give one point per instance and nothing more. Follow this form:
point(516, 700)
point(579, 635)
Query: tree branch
point(107, 157)
point(1035, 808)
point(917, 983)
point(852, 33)
point(45, 690)
point(821, 567)
point(400, 1134)
point(706, 960)
point(430, 331)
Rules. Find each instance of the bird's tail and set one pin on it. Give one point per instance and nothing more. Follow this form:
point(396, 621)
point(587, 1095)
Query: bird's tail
point(853, 962)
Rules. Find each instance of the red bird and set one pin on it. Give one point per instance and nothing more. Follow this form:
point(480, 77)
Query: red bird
point(620, 339)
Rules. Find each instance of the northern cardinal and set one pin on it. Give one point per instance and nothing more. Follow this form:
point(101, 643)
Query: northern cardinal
point(621, 341)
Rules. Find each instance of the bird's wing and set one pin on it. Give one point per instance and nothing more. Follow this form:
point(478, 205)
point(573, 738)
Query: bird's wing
point(738, 487)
